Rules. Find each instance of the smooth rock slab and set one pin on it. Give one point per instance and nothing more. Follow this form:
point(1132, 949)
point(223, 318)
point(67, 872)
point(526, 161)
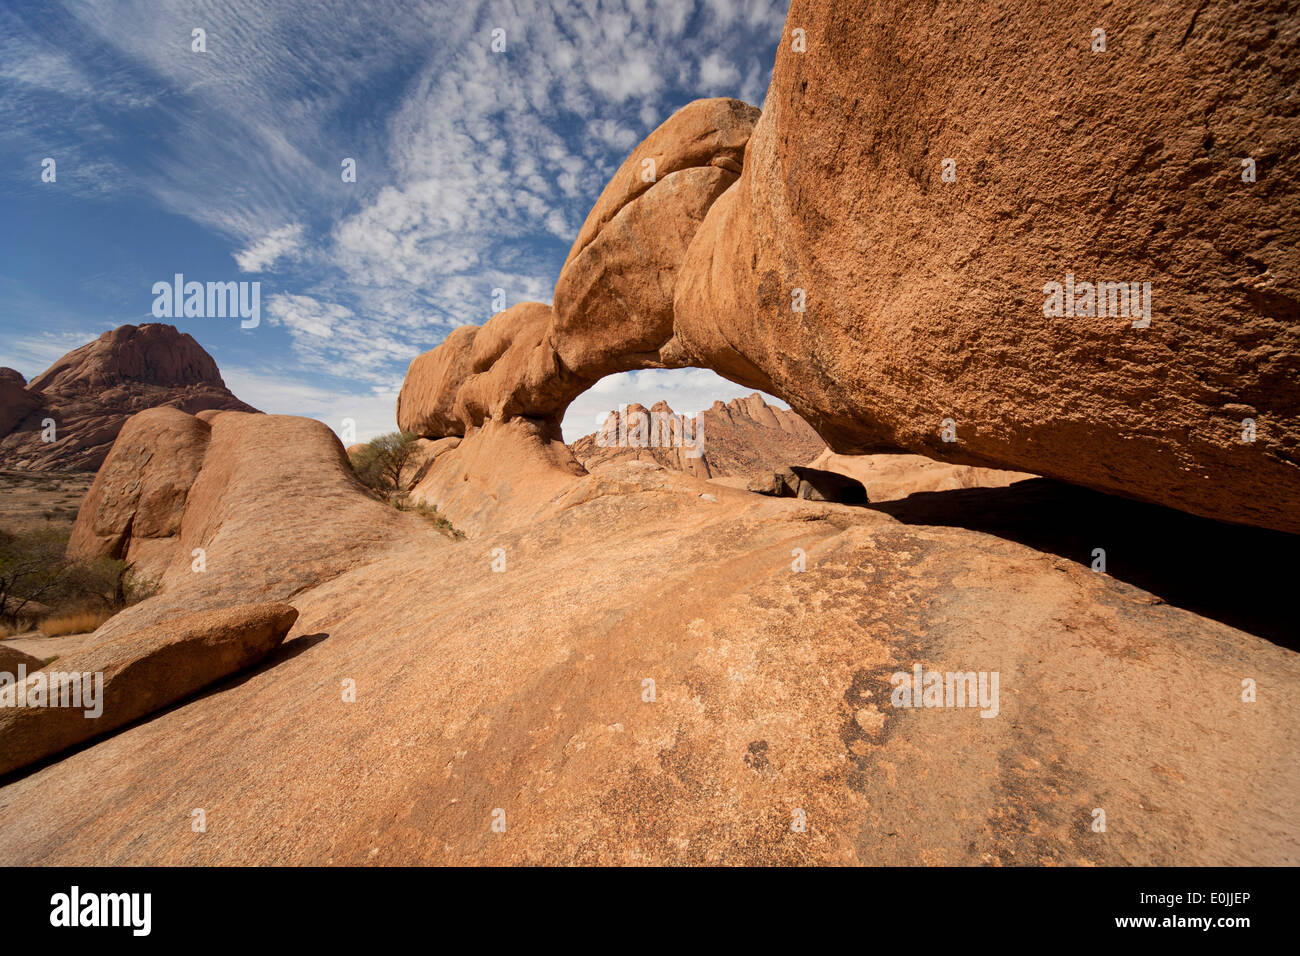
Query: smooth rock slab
point(141, 673)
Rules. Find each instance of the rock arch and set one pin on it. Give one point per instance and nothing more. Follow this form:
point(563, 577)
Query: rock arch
point(923, 293)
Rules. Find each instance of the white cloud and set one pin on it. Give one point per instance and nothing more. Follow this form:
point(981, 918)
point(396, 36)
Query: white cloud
point(636, 77)
point(331, 338)
point(718, 73)
point(283, 243)
point(34, 354)
point(303, 315)
point(615, 134)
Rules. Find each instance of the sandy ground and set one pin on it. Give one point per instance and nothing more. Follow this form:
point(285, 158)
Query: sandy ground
point(40, 646)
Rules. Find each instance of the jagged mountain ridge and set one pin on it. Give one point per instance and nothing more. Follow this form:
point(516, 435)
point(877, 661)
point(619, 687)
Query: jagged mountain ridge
point(739, 438)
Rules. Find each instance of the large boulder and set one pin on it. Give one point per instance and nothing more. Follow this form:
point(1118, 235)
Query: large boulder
point(16, 403)
point(614, 297)
point(140, 673)
point(427, 403)
point(895, 256)
point(503, 369)
point(511, 365)
point(134, 507)
point(928, 299)
point(507, 472)
point(810, 484)
point(892, 477)
point(273, 508)
point(707, 132)
point(11, 659)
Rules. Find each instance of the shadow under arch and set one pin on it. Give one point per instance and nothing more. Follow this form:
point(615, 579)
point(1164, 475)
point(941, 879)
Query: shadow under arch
point(1239, 575)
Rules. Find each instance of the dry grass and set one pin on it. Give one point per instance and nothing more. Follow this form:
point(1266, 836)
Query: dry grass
point(427, 512)
point(75, 622)
point(25, 626)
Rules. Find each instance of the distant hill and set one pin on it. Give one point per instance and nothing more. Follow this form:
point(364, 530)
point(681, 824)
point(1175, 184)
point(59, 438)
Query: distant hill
point(92, 390)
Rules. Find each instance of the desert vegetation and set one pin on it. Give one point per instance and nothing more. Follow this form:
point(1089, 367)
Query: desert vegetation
point(39, 584)
point(381, 462)
point(386, 465)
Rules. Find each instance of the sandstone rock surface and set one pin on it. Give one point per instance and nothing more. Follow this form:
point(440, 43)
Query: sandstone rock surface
point(925, 298)
point(614, 298)
point(613, 301)
point(427, 402)
point(140, 672)
point(522, 690)
point(890, 477)
point(508, 671)
point(256, 472)
point(703, 133)
point(93, 390)
point(508, 474)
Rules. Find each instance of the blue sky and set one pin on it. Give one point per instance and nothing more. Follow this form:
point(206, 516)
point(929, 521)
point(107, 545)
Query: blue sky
point(474, 171)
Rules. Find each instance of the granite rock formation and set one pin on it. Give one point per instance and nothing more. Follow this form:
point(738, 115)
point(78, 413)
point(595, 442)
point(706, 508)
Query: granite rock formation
point(507, 672)
point(129, 678)
point(893, 256)
point(91, 392)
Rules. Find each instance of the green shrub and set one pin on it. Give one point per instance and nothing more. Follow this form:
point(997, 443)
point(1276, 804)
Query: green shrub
point(35, 570)
point(32, 569)
point(379, 464)
point(429, 513)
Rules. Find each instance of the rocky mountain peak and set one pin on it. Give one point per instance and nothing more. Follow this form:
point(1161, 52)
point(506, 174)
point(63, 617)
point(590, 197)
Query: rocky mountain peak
point(151, 354)
point(91, 392)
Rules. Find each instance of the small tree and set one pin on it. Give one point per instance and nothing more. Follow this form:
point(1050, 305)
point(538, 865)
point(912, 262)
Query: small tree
point(32, 568)
point(110, 583)
point(35, 570)
point(380, 462)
